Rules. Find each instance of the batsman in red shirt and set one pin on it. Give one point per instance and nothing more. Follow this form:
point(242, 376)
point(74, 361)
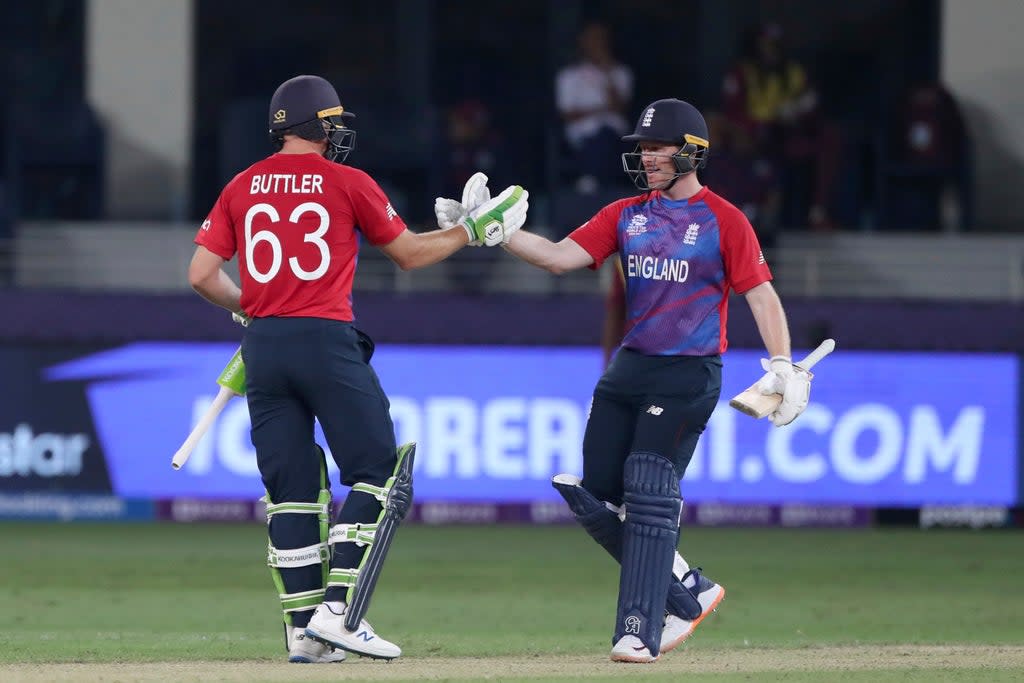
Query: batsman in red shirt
point(293, 220)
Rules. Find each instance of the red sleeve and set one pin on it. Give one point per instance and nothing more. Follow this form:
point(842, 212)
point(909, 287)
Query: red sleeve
point(374, 215)
point(599, 236)
point(217, 233)
point(745, 266)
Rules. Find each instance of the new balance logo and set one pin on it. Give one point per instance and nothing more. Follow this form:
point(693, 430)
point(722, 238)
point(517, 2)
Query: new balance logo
point(390, 211)
point(760, 257)
point(648, 118)
point(691, 233)
point(365, 635)
point(655, 410)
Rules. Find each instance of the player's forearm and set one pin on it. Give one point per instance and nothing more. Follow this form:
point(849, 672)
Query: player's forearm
point(770, 318)
point(434, 246)
point(218, 288)
point(540, 251)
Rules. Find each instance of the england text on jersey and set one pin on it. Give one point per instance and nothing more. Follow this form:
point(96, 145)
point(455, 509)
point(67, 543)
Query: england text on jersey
point(651, 268)
point(273, 183)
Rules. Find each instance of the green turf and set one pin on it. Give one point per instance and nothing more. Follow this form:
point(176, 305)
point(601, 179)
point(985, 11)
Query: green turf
point(84, 592)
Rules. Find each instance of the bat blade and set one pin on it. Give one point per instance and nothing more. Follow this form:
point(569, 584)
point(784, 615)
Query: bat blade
point(755, 404)
point(181, 456)
point(752, 402)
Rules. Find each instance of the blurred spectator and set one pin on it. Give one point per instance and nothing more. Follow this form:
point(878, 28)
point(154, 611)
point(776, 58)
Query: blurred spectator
point(749, 179)
point(592, 96)
point(769, 95)
point(472, 144)
point(926, 163)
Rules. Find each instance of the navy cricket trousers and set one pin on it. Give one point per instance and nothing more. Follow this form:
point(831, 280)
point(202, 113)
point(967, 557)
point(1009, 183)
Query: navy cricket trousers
point(656, 404)
point(301, 368)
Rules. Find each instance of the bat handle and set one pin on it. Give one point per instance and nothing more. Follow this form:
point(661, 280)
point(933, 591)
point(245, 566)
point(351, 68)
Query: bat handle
point(824, 348)
point(221, 400)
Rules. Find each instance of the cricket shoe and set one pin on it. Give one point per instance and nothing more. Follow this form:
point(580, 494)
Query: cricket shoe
point(305, 650)
point(708, 594)
point(631, 649)
point(327, 626)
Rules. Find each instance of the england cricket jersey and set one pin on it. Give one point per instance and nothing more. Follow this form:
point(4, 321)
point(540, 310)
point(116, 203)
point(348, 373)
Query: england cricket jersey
point(292, 219)
point(680, 259)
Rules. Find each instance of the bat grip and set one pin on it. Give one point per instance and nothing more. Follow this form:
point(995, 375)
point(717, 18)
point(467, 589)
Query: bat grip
point(221, 400)
point(824, 348)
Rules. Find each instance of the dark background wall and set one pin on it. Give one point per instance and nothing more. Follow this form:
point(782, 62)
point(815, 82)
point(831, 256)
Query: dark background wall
point(399, 63)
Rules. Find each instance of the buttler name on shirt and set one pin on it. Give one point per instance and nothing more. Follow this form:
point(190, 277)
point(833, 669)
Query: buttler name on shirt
point(651, 268)
point(276, 183)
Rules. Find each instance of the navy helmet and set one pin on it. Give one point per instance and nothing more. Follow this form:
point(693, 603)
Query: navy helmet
point(308, 106)
point(673, 122)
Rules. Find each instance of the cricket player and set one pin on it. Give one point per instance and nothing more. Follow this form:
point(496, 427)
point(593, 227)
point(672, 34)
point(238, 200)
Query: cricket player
point(681, 249)
point(295, 220)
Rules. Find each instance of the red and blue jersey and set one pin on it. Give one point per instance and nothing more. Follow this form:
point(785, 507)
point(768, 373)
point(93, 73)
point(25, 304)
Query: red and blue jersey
point(680, 259)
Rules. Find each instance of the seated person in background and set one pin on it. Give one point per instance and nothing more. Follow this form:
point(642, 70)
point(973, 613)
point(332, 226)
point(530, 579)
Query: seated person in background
point(749, 179)
point(592, 96)
point(928, 161)
point(768, 95)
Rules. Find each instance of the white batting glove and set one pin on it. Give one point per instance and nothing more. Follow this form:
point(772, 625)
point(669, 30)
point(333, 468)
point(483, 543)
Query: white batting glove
point(791, 382)
point(450, 212)
point(241, 318)
point(495, 221)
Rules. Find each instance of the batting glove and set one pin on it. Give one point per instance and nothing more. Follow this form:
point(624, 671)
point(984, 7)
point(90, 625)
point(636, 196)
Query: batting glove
point(495, 221)
point(792, 382)
point(450, 212)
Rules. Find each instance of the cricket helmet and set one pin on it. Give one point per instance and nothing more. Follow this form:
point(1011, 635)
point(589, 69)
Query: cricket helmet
point(308, 106)
point(668, 121)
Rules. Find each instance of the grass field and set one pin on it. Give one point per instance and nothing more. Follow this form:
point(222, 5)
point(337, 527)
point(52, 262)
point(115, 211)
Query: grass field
point(195, 602)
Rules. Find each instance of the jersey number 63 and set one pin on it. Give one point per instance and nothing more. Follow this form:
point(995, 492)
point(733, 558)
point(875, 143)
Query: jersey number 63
point(252, 239)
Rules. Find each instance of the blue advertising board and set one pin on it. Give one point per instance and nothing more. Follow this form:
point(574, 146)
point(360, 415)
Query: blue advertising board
point(495, 423)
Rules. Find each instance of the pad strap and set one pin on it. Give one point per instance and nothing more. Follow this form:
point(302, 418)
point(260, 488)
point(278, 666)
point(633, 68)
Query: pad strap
point(361, 534)
point(298, 602)
point(319, 508)
point(345, 577)
point(378, 492)
point(297, 557)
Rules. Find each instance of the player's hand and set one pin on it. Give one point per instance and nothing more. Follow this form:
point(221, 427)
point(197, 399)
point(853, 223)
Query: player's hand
point(793, 383)
point(450, 212)
point(241, 318)
point(496, 220)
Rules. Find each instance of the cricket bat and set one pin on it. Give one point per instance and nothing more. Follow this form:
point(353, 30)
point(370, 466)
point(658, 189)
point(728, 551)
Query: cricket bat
point(751, 402)
point(232, 383)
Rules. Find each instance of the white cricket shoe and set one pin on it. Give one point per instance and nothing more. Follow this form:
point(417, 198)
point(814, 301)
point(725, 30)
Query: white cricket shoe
point(677, 629)
point(631, 649)
point(328, 626)
point(304, 650)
